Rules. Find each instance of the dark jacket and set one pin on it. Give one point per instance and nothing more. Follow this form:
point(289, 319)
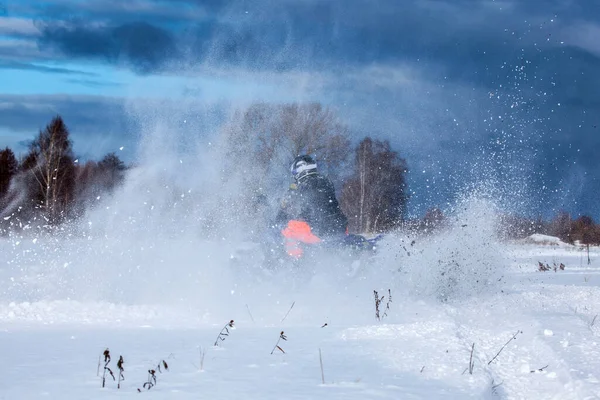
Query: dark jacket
point(313, 200)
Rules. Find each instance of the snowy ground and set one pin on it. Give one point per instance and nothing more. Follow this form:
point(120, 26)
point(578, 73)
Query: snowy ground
point(51, 337)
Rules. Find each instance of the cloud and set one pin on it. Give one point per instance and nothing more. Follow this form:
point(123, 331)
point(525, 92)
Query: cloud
point(140, 45)
point(22, 50)
point(154, 11)
point(94, 82)
point(445, 80)
point(97, 124)
point(152, 36)
point(300, 35)
point(149, 35)
point(12, 26)
point(42, 68)
point(584, 35)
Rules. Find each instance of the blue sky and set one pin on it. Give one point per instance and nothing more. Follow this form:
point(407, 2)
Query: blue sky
point(464, 89)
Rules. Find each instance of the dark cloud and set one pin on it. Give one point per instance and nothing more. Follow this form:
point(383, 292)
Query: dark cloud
point(467, 40)
point(142, 46)
point(119, 12)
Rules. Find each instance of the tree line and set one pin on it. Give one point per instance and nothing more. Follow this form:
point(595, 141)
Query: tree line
point(581, 229)
point(370, 177)
point(48, 185)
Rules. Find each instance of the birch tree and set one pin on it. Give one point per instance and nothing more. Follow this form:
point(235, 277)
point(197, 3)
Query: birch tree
point(374, 197)
point(50, 170)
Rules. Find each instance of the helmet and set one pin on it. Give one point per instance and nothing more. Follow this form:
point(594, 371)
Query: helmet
point(302, 166)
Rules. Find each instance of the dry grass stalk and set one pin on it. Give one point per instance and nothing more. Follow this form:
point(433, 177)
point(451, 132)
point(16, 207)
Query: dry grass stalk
point(224, 333)
point(151, 380)
point(471, 362)
point(106, 362)
point(377, 303)
point(292, 306)
point(506, 344)
point(321, 362)
point(121, 370)
point(249, 313)
point(277, 347)
point(202, 354)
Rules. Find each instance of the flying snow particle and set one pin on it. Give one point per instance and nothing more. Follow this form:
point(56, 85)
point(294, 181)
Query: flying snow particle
point(121, 148)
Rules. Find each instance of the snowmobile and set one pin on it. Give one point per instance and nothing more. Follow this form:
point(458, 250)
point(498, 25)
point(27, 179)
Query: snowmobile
point(296, 244)
point(298, 240)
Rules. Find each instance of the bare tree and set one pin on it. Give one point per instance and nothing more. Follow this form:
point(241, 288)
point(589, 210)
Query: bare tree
point(259, 144)
point(433, 219)
point(584, 230)
point(113, 171)
point(94, 179)
point(273, 135)
point(561, 226)
point(374, 198)
point(306, 129)
point(50, 170)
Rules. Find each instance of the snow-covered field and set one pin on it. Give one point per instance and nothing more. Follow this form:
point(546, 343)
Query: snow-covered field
point(62, 304)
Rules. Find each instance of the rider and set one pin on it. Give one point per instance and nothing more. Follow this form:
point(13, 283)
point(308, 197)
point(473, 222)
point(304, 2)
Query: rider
point(312, 200)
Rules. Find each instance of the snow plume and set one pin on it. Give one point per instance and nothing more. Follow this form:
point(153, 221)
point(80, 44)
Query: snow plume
point(166, 238)
point(171, 236)
point(461, 260)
